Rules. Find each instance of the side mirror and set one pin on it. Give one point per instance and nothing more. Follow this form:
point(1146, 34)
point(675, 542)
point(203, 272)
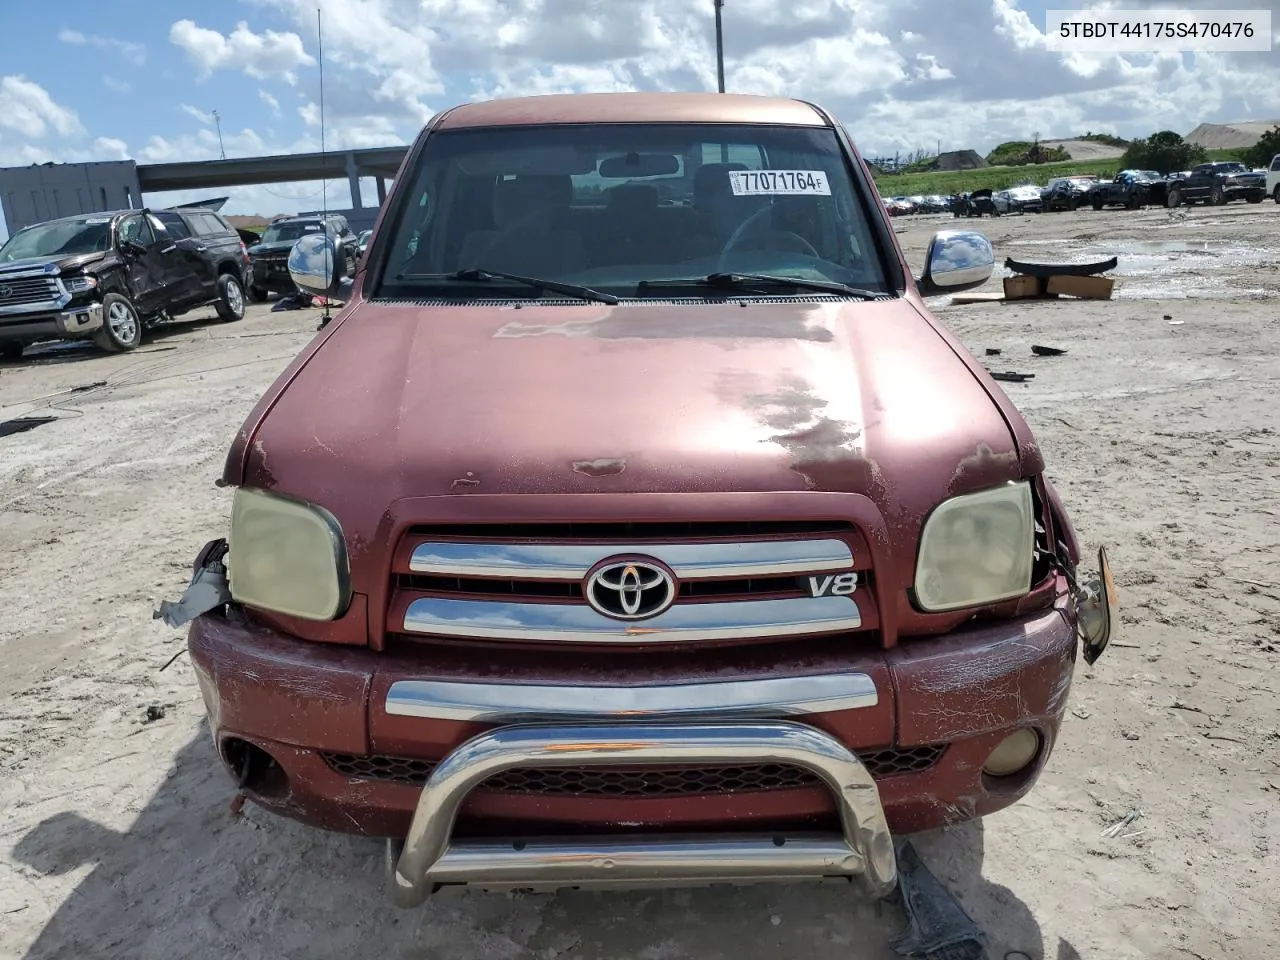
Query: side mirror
point(957, 260)
point(313, 265)
point(133, 247)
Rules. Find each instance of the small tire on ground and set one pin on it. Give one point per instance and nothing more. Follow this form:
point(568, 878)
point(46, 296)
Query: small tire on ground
point(121, 326)
point(11, 350)
point(230, 299)
point(1096, 204)
point(1256, 197)
point(1174, 199)
point(258, 294)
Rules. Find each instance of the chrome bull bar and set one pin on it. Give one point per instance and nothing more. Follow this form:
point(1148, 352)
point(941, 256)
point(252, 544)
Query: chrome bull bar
point(430, 857)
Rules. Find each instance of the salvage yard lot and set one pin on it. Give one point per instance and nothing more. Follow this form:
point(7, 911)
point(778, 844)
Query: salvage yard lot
point(1161, 427)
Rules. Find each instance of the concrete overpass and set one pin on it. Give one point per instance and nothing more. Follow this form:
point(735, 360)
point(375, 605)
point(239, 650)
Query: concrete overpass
point(380, 163)
point(47, 191)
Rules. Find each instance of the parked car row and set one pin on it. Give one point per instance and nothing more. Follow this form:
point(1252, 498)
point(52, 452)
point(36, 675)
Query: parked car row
point(1214, 183)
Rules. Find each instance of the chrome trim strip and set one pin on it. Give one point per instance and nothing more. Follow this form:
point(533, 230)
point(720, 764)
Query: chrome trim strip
point(515, 702)
point(688, 561)
point(578, 623)
point(429, 855)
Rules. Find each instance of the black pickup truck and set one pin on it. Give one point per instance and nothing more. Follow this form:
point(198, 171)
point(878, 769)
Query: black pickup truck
point(269, 257)
point(112, 275)
point(1218, 183)
point(1130, 189)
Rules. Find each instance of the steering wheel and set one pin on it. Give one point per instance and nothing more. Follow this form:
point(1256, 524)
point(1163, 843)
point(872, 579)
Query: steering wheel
point(736, 238)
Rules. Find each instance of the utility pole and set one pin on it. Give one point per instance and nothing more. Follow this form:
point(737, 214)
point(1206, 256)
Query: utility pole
point(217, 120)
point(719, 45)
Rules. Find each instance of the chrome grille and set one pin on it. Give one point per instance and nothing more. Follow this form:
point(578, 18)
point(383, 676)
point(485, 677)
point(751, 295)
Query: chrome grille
point(24, 291)
point(525, 582)
point(637, 781)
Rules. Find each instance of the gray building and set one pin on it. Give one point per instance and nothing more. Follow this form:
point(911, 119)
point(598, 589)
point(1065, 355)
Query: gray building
point(47, 191)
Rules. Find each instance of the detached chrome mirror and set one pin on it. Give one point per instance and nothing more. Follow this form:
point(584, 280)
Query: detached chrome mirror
point(957, 260)
point(312, 265)
point(1096, 610)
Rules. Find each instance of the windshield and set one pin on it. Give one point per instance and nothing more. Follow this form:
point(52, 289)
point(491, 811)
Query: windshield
point(608, 206)
point(59, 239)
point(288, 232)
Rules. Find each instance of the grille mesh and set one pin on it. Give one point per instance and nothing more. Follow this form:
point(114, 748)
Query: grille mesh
point(634, 781)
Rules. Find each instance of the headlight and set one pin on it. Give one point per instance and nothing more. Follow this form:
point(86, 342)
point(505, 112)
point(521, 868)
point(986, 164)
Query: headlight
point(977, 549)
point(287, 556)
point(80, 284)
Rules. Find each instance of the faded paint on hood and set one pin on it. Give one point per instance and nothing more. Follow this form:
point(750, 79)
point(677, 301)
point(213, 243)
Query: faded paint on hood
point(406, 401)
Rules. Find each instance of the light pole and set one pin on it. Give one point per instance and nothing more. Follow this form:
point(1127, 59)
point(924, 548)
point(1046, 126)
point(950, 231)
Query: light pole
point(719, 45)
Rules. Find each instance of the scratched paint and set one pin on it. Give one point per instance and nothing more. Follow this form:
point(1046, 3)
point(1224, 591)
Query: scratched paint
point(603, 467)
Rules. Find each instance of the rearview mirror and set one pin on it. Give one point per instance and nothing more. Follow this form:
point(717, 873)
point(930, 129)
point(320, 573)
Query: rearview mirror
point(639, 165)
point(957, 260)
point(312, 265)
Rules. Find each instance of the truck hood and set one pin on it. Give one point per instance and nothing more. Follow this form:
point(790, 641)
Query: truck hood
point(64, 264)
point(411, 401)
point(262, 249)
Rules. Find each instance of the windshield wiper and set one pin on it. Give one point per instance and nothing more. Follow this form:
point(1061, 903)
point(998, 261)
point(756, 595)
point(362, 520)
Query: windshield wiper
point(740, 280)
point(554, 286)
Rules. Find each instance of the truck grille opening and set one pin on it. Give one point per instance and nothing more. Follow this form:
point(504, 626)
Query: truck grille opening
point(28, 290)
point(572, 589)
point(633, 782)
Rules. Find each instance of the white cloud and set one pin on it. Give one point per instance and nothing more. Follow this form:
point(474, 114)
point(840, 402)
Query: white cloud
point(901, 73)
point(260, 55)
point(115, 84)
point(133, 52)
point(272, 103)
point(27, 108)
point(203, 116)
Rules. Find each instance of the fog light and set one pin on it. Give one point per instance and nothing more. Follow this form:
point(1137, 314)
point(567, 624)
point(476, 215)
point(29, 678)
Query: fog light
point(1013, 753)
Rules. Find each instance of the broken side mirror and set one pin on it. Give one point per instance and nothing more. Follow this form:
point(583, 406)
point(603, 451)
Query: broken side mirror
point(132, 248)
point(957, 260)
point(1096, 610)
point(313, 265)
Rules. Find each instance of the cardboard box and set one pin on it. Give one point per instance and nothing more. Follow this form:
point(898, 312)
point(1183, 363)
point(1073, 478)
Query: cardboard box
point(1020, 287)
point(1088, 288)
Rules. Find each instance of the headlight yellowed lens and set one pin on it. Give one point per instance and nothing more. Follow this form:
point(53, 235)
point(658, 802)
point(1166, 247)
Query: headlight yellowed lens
point(287, 556)
point(977, 549)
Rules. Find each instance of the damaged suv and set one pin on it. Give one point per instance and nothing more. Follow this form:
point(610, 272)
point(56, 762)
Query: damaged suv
point(635, 521)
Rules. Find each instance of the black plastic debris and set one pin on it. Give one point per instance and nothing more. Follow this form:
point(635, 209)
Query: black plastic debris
point(937, 926)
point(1047, 270)
point(154, 712)
point(1011, 376)
point(1040, 351)
point(993, 351)
point(22, 424)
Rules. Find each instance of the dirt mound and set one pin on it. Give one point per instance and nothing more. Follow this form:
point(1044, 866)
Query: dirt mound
point(1085, 149)
point(1231, 136)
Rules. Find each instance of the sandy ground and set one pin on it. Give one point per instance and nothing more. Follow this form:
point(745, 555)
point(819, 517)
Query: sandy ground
point(1085, 149)
point(1159, 425)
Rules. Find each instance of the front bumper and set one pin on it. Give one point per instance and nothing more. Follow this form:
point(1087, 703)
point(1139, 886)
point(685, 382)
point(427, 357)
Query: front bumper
point(329, 721)
point(66, 324)
point(863, 848)
point(272, 276)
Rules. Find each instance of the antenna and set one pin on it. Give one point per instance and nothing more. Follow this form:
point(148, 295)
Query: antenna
point(324, 160)
point(222, 151)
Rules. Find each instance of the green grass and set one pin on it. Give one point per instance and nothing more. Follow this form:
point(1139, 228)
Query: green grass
point(1000, 178)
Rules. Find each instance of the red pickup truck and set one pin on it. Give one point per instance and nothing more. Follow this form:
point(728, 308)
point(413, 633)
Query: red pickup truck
point(634, 521)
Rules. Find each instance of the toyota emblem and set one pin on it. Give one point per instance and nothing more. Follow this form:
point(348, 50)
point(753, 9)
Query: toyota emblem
point(5, 292)
point(630, 589)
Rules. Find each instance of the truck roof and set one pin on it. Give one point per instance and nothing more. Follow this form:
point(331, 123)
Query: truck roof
point(632, 108)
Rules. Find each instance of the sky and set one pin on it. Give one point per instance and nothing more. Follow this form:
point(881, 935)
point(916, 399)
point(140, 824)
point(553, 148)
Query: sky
point(116, 79)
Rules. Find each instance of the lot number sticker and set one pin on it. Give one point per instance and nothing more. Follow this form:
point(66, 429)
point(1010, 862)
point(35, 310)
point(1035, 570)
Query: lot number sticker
point(757, 183)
